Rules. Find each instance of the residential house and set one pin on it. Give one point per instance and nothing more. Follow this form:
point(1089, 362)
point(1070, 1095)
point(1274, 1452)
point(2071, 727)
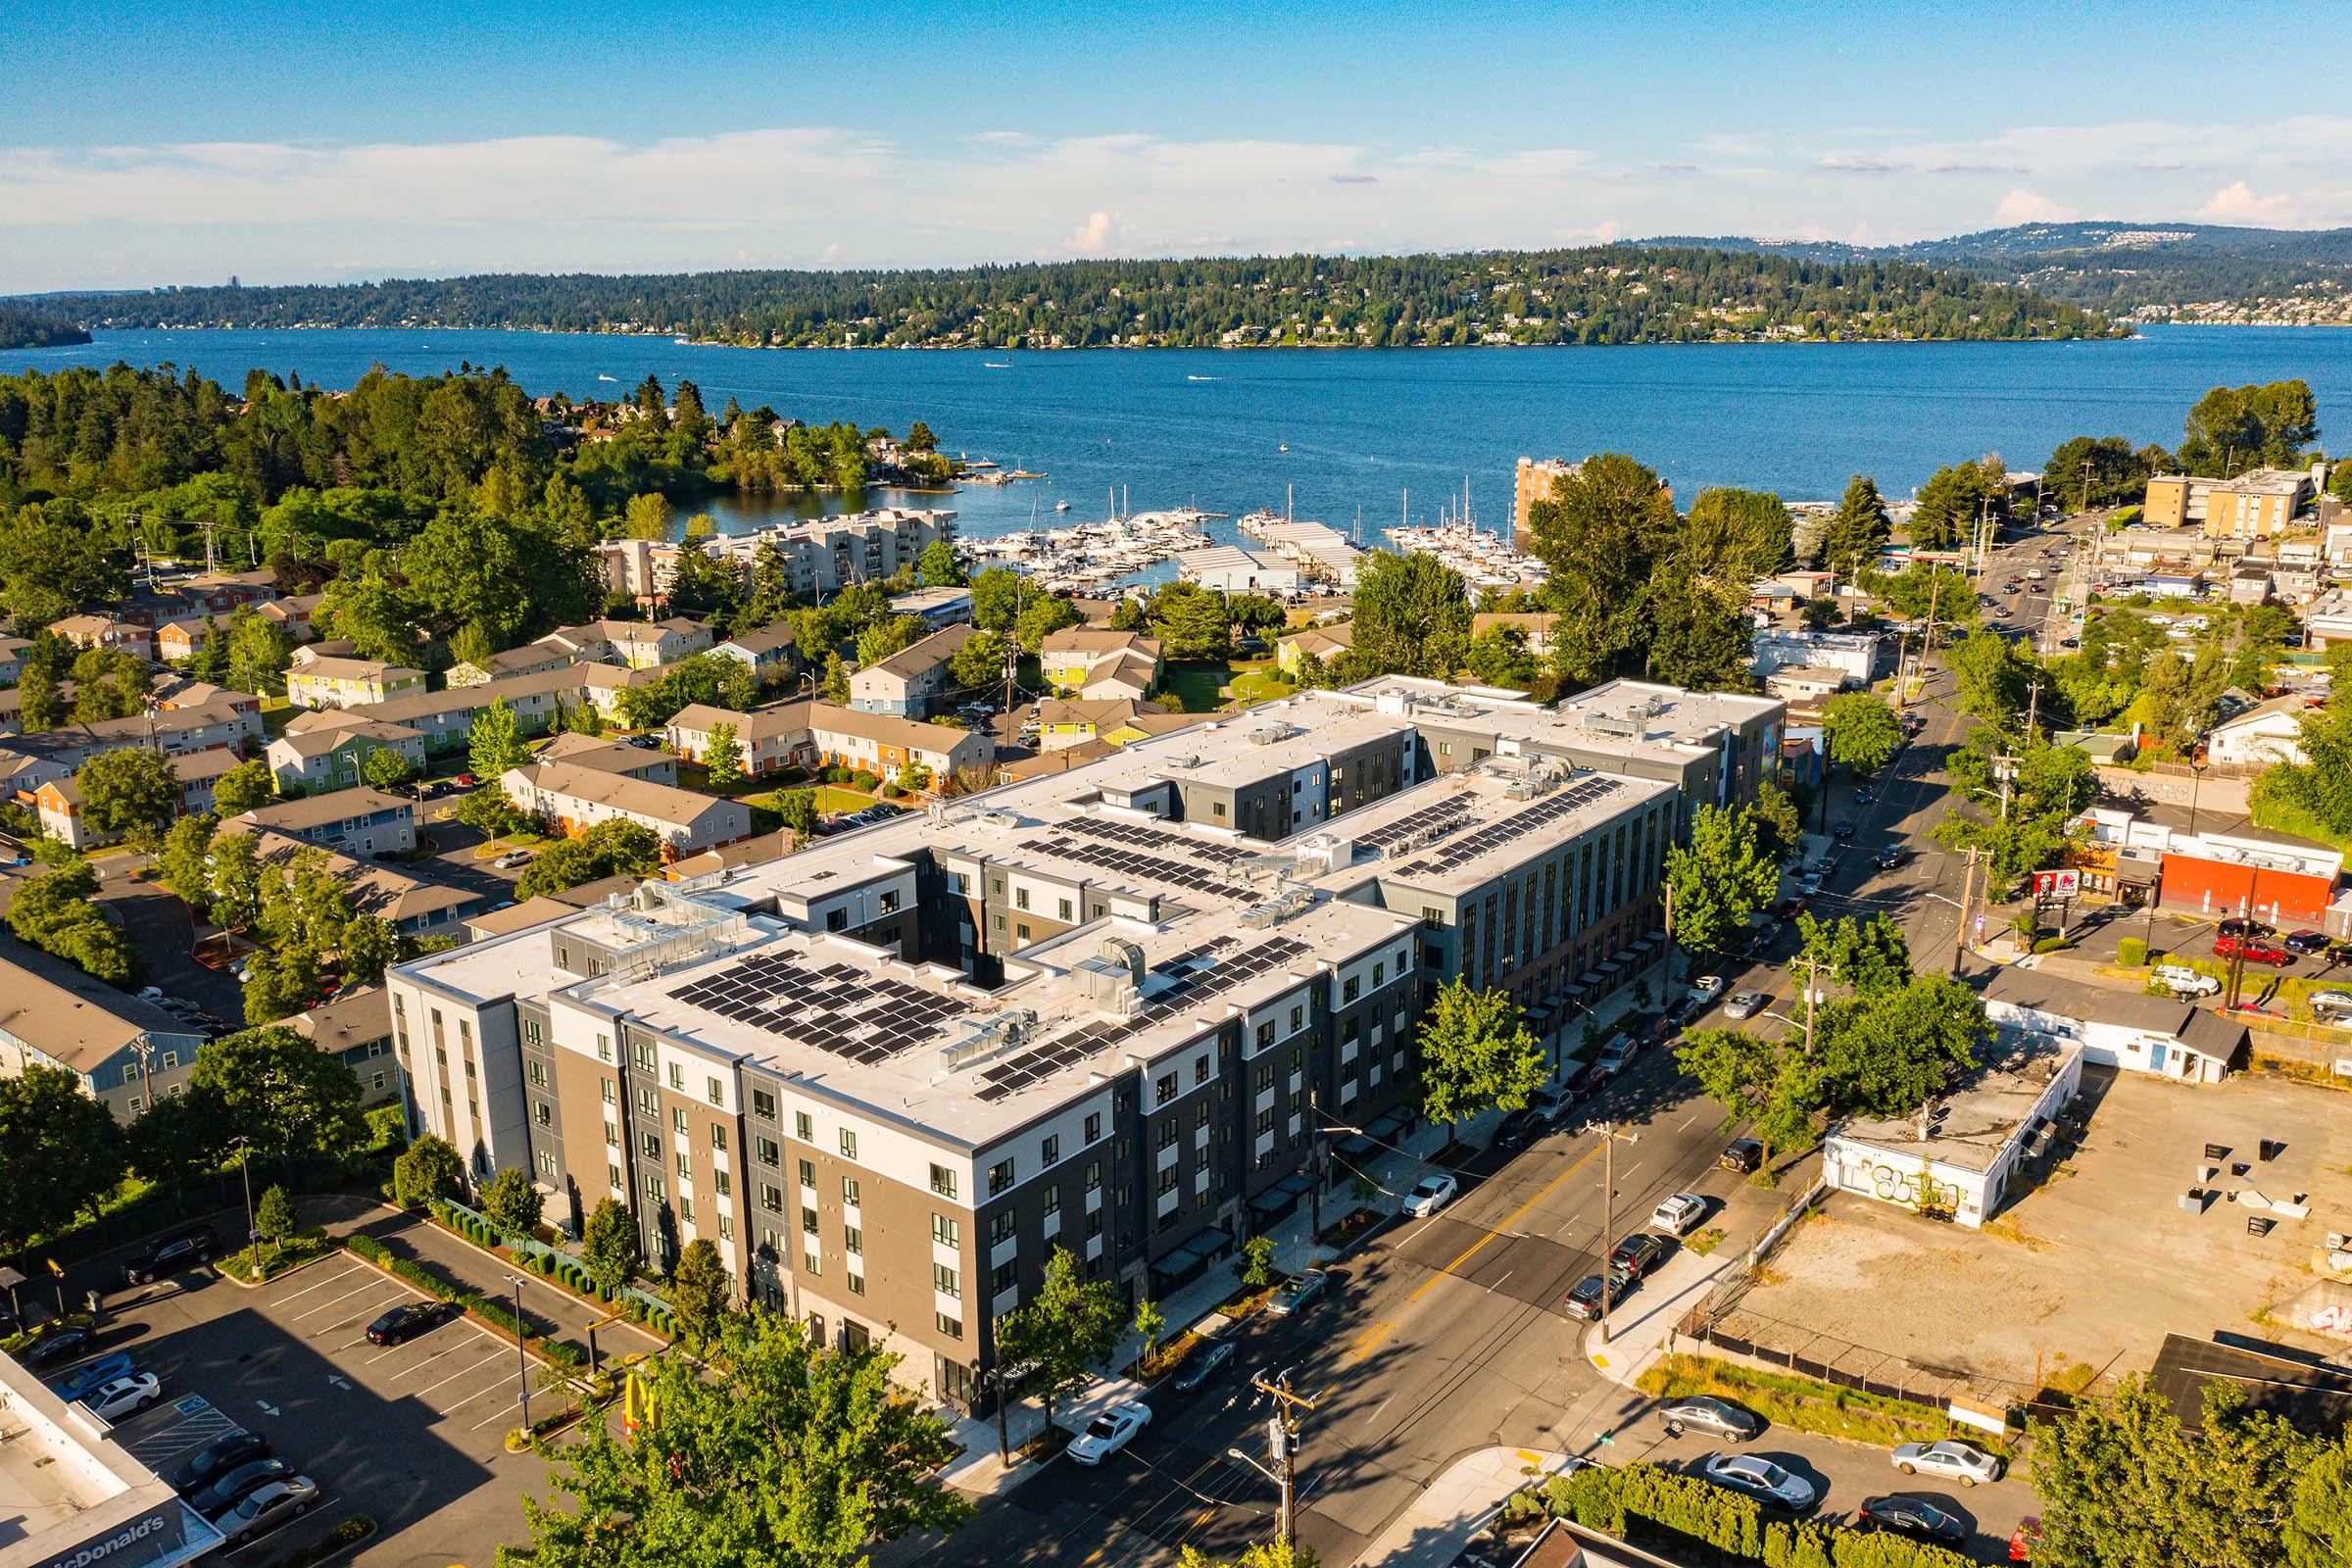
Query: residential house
point(1534, 628)
point(11, 658)
point(770, 653)
point(179, 641)
point(355, 821)
point(820, 556)
point(575, 799)
point(2167, 1036)
point(176, 692)
point(528, 660)
point(2266, 733)
point(445, 718)
point(223, 592)
point(1325, 643)
point(1806, 685)
point(355, 1026)
point(104, 631)
point(1860, 657)
point(58, 801)
point(331, 648)
point(332, 758)
point(350, 682)
point(409, 904)
point(127, 1052)
point(645, 643)
point(939, 607)
point(883, 743)
point(1063, 722)
point(602, 686)
point(292, 615)
point(1095, 662)
point(770, 739)
point(611, 757)
point(28, 760)
point(914, 681)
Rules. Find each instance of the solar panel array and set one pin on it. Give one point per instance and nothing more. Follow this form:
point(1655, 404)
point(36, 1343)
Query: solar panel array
point(862, 1017)
point(1228, 963)
point(1413, 823)
point(1144, 838)
point(1135, 863)
point(1539, 813)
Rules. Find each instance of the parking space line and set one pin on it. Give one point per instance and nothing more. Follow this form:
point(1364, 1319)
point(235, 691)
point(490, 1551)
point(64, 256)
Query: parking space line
point(500, 1417)
point(345, 1296)
point(454, 1376)
point(320, 1284)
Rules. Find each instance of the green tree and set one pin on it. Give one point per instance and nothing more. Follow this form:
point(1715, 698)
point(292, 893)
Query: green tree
point(1060, 1337)
point(288, 1098)
point(210, 662)
point(1719, 879)
point(494, 743)
point(273, 1216)
point(180, 1139)
point(1701, 637)
point(40, 706)
point(1858, 530)
point(386, 767)
point(1732, 1067)
point(611, 1249)
point(54, 912)
point(937, 566)
point(1861, 732)
point(1885, 1053)
point(1261, 1555)
point(1992, 677)
point(1042, 616)
point(234, 880)
point(60, 1153)
point(1951, 504)
point(888, 636)
point(1256, 1265)
point(979, 664)
point(1736, 537)
point(428, 1168)
point(1477, 1054)
point(489, 811)
point(697, 1290)
point(1191, 621)
point(797, 810)
point(647, 516)
point(1411, 616)
point(367, 946)
point(2020, 823)
point(2106, 471)
point(2319, 1521)
point(776, 1451)
point(1601, 533)
point(2234, 428)
point(1779, 828)
point(245, 787)
point(282, 982)
point(259, 654)
point(511, 1202)
point(836, 681)
point(998, 594)
point(1149, 1323)
point(2123, 1482)
point(130, 794)
point(722, 759)
point(1866, 957)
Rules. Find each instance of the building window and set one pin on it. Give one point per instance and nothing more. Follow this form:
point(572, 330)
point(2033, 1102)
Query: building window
point(677, 1120)
point(953, 1327)
point(764, 1150)
point(1199, 1071)
point(607, 1090)
point(803, 1128)
point(945, 1231)
point(1164, 1088)
point(946, 1282)
point(771, 1197)
point(848, 1143)
point(685, 1166)
point(1094, 1127)
point(721, 1181)
point(1050, 1151)
point(763, 1105)
point(853, 1240)
point(612, 1173)
point(1002, 1277)
point(652, 1143)
point(943, 1181)
point(808, 1220)
point(1000, 1227)
point(850, 1192)
point(604, 1045)
point(857, 1284)
point(1094, 1175)
point(812, 1265)
point(999, 1177)
point(718, 1135)
point(718, 1092)
point(644, 1052)
point(543, 1113)
point(807, 1173)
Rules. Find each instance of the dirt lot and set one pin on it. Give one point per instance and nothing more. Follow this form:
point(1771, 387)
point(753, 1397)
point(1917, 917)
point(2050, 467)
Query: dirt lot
point(2095, 1266)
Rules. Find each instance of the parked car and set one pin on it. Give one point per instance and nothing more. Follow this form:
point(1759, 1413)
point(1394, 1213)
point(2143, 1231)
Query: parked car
point(1706, 987)
point(513, 858)
point(234, 1485)
point(1744, 1004)
point(2236, 927)
point(2253, 949)
point(1582, 1300)
point(1552, 1104)
point(2339, 952)
point(2024, 1538)
point(1110, 1431)
point(2303, 944)
point(1616, 1055)
point(1755, 1476)
point(265, 1510)
point(1518, 1130)
point(122, 1398)
point(1431, 1194)
point(1638, 1255)
point(1680, 1215)
point(1204, 1364)
point(1901, 1514)
point(92, 1375)
point(2182, 981)
point(1745, 1154)
point(409, 1319)
point(59, 1346)
point(2330, 1001)
point(1703, 1413)
point(1888, 859)
point(1842, 830)
point(1297, 1291)
point(216, 1459)
point(171, 1252)
point(1950, 1459)
point(1863, 795)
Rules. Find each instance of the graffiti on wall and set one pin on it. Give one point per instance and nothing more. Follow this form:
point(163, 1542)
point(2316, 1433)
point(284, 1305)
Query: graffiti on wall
point(1911, 1187)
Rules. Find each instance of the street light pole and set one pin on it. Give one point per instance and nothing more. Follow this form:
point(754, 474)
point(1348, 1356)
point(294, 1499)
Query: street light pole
point(522, 1359)
point(253, 1233)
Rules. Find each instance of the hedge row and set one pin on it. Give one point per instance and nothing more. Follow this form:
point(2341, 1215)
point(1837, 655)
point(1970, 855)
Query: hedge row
point(1640, 1499)
point(494, 1313)
point(562, 1267)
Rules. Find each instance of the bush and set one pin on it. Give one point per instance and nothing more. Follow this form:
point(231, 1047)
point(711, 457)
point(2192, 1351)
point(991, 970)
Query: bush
point(2131, 951)
point(864, 780)
point(1642, 1499)
point(2052, 944)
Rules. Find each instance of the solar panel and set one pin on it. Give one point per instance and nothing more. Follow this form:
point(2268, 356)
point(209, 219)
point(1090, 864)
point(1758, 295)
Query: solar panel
point(841, 1008)
point(1540, 814)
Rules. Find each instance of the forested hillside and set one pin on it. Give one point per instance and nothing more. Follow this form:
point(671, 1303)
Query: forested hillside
point(1600, 295)
point(21, 329)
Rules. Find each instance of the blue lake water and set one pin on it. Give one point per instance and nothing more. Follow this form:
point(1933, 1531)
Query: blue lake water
point(1365, 427)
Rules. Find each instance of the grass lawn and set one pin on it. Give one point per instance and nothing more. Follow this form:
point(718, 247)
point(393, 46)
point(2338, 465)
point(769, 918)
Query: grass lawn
point(1261, 685)
point(1801, 1403)
point(1199, 684)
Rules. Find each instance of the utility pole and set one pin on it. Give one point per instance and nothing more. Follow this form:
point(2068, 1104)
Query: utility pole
point(1282, 1442)
point(1608, 1218)
point(1812, 988)
point(253, 1233)
point(1927, 645)
point(1314, 1166)
point(1967, 880)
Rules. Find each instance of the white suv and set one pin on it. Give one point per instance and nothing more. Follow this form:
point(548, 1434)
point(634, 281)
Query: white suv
point(2182, 981)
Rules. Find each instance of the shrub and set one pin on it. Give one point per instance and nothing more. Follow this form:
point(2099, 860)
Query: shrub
point(2131, 951)
point(2052, 944)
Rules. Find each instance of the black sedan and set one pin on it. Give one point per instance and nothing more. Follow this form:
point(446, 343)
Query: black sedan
point(1842, 830)
point(409, 1320)
point(1518, 1129)
point(237, 1485)
point(217, 1458)
point(56, 1349)
point(1901, 1514)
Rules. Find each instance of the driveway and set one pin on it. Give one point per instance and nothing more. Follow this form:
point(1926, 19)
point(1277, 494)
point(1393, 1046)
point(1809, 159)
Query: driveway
point(161, 930)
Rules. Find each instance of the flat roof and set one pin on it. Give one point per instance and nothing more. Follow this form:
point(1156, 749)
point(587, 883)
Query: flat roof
point(1977, 1120)
point(1460, 830)
point(68, 1489)
point(1620, 717)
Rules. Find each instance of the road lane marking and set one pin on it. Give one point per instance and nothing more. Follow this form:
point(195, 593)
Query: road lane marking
point(1358, 1349)
point(1508, 1220)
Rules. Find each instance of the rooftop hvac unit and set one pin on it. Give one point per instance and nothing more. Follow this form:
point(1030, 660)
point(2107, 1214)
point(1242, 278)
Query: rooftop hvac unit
point(983, 1038)
point(1270, 734)
point(1617, 724)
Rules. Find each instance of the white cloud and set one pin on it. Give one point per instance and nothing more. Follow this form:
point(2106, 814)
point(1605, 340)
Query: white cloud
point(2237, 204)
point(1089, 238)
point(2023, 206)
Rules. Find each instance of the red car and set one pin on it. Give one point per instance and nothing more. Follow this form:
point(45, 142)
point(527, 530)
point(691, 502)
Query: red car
point(2253, 949)
point(2023, 1539)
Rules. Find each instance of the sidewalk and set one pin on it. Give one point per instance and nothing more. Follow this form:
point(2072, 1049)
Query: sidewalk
point(1640, 1330)
point(1454, 1506)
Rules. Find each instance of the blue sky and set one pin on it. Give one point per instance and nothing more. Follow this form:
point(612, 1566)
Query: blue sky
point(164, 142)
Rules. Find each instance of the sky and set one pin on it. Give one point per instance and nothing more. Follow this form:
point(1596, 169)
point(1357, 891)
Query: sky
point(147, 143)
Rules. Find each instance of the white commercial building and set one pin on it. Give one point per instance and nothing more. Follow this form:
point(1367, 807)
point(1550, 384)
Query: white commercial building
point(1959, 1161)
point(1859, 655)
point(2132, 1030)
point(73, 1496)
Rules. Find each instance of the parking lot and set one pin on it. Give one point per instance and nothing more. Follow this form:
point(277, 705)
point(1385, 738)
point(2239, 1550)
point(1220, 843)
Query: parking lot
point(412, 1434)
point(2094, 1267)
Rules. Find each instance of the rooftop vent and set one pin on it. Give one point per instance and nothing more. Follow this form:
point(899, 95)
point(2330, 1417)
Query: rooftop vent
point(983, 1038)
point(1271, 734)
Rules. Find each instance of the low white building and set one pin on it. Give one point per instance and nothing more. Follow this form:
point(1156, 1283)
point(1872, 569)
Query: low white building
point(1960, 1160)
point(2132, 1030)
point(1861, 656)
point(2266, 733)
point(1229, 569)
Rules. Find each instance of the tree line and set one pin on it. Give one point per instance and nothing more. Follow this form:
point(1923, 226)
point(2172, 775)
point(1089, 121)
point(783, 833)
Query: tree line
point(1588, 295)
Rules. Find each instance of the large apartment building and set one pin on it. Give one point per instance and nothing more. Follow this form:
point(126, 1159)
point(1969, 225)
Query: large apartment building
point(820, 556)
point(1113, 1009)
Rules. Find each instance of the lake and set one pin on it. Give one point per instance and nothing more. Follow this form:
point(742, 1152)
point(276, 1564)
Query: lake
point(1364, 428)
